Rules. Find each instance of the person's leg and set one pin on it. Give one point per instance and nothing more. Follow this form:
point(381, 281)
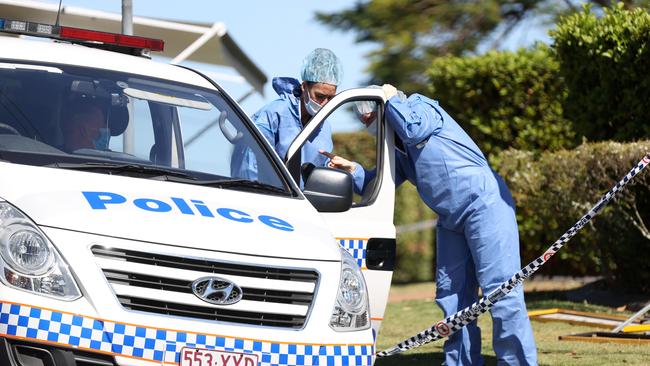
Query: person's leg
point(457, 288)
point(494, 243)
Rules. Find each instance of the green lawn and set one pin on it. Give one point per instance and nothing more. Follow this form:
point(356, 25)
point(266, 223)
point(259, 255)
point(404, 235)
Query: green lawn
point(406, 318)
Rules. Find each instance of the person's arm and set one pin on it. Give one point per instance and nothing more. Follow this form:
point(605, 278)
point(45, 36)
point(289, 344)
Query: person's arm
point(267, 123)
point(414, 119)
point(321, 142)
point(362, 178)
point(360, 175)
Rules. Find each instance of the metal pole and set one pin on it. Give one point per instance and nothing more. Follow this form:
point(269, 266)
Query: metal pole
point(127, 29)
point(632, 318)
point(216, 29)
point(127, 17)
point(246, 95)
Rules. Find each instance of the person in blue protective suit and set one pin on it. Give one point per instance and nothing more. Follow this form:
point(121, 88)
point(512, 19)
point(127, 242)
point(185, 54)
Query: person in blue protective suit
point(477, 237)
point(281, 120)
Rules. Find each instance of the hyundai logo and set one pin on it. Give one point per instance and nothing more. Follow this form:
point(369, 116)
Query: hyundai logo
point(217, 290)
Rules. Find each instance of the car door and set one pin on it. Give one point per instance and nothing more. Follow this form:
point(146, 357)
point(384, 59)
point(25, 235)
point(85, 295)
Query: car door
point(366, 230)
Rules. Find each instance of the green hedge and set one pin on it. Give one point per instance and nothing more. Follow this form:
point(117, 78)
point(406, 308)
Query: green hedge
point(505, 99)
point(522, 115)
point(554, 190)
point(605, 62)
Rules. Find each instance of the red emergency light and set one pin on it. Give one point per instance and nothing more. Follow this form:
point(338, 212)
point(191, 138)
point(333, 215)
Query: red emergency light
point(81, 35)
point(70, 33)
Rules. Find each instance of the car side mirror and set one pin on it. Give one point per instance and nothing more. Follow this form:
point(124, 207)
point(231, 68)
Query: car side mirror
point(329, 190)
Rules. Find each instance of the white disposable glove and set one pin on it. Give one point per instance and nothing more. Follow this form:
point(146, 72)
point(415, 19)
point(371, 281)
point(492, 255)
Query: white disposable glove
point(389, 90)
point(339, 162)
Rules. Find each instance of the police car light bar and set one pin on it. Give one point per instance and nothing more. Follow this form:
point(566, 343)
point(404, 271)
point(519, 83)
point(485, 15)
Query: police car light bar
point(79, 35)
point(111, 38)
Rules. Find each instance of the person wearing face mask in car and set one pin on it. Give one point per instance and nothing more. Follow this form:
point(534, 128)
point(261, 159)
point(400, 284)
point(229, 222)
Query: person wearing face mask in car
point(85, 127)
point(281, 120)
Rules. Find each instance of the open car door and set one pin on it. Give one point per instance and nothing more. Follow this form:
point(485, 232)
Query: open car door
point(366, 230)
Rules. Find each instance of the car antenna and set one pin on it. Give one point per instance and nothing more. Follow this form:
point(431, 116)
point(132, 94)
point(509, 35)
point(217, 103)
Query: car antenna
point(58, 13)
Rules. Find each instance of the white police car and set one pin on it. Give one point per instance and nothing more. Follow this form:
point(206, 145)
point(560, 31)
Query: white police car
point(127, 237)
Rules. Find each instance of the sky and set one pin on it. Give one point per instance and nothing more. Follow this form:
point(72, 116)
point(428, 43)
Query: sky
point(276, 35)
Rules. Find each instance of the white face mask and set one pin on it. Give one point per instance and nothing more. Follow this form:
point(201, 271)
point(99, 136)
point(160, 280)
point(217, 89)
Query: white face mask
point(311, 106)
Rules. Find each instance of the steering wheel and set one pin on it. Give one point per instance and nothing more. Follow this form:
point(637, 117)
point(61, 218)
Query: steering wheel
point(5, 129)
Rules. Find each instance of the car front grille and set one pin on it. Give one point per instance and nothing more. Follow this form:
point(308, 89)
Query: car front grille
point(162, 284)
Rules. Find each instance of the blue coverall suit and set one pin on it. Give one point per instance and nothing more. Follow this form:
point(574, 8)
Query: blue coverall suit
point(279, 122)
point(477, 237)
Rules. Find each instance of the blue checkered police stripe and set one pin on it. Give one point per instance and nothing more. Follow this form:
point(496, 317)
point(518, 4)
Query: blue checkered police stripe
point(357, 249)
point(161, 345)
point(455, 322)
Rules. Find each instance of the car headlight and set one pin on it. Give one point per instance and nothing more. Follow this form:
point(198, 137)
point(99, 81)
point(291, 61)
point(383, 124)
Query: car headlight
point(351, 308)
point(29, 261)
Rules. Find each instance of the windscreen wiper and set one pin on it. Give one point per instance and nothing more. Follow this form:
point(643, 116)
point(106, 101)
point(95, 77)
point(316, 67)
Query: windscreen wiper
point(239, 184)
point(244, 184)
point(158, 173)
point(117, 169)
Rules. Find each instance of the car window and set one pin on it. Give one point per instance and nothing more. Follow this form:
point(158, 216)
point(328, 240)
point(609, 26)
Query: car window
point(355, 142)
point(61, 114)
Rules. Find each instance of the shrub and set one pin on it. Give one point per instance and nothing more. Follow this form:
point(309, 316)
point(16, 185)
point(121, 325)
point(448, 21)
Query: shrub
point(556, 189)
point(604, 62)
point(505, 99)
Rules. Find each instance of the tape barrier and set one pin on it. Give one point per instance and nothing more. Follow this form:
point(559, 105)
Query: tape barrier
point(455, 322)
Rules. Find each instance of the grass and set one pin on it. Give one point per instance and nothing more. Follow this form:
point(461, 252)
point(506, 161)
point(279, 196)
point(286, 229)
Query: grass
point(404, 318)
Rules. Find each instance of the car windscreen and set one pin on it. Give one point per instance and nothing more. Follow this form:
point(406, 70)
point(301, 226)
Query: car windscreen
point(118, 123)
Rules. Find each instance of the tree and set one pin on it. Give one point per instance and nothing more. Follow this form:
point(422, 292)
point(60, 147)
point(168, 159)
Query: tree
point(410, 33)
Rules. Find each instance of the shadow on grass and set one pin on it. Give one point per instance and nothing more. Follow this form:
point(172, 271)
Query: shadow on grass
point(422, 359)
point(595, 293)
